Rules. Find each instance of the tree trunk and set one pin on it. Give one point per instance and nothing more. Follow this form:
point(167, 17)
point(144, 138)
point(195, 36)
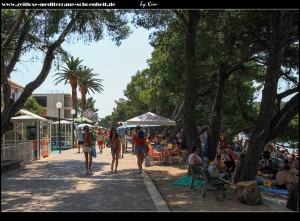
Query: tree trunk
point(248, 193)
point(11, 108)
point(216, 116)
point(73, 82)
point(280, 122)
point(280, 25)
point(83, 91)
point(191, 83)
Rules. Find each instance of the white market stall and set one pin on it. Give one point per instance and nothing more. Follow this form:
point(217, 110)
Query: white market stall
point(67, 139)
point(33, 128)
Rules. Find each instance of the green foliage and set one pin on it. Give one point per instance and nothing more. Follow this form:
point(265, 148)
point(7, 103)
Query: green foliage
point(88, 80)
point(33, 106)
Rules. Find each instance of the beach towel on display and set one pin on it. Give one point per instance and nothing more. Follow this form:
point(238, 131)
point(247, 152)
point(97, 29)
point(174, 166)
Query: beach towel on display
point(186, 181)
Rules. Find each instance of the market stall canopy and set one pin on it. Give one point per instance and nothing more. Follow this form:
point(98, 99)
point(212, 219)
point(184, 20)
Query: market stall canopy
point(27, 115)
point(152, 119)
point(134, 125)
point(62, 122)
point(27, 118)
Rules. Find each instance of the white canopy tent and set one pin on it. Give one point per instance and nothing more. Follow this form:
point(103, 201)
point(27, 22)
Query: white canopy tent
point(150, 119)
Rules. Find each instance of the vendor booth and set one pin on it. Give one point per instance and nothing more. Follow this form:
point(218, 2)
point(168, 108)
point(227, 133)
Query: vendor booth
point(30, 127)
point(67, 139)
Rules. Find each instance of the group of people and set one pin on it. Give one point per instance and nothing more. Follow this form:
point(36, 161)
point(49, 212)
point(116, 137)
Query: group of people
point(87, 139)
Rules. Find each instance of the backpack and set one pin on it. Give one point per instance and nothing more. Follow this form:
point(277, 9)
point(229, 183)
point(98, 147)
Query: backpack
point(141, 134)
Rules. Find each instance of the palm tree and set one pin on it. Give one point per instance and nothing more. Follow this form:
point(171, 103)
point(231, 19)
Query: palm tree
point(70, 75)
point(88, 82)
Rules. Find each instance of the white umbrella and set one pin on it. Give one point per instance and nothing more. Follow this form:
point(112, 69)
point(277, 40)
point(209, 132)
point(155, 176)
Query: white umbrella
point(152, 119)
point(83, 125)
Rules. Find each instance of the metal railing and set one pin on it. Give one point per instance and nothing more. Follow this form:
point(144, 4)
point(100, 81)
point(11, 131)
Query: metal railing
point(22, 152)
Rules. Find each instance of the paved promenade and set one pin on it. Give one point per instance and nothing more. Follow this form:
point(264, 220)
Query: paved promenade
point(59, 183)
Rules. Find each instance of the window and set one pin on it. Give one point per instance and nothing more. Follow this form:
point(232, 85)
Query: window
point(42, 101)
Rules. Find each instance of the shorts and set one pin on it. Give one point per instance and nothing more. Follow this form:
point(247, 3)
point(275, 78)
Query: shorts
point(141, 149)
point(115, 150)
point(101, 142)
point(123, 141)
point(80, 142)
point(87, 149)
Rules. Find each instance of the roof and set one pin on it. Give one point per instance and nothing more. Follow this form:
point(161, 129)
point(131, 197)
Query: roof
point(15, 84)
point(28, 113)
point(150, 119)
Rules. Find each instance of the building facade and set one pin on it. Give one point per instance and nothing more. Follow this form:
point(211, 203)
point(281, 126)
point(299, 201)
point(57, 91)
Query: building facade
point(16, 90)
point(49, 102)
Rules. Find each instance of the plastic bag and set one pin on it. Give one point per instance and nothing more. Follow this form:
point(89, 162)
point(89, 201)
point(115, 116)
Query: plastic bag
point(147, 161)
point(94, 153)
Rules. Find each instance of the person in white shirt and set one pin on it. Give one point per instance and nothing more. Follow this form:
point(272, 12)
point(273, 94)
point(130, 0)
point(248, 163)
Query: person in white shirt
point(194, 158)
point(79, 139)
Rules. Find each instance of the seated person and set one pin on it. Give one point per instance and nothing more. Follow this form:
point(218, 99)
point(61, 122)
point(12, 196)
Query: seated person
point(217, 162)
point(280, 180)
point(263, 164)
point(176, 149)
point(215, 166)
point(164, 142)
point(194, 159)
point(185, 155)
point(291, 179)
point(229, 162)
point(291, 159)
point(295, 165)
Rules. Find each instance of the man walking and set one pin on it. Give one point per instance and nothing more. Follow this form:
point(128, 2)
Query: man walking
point(79, 139)
point(122, 131)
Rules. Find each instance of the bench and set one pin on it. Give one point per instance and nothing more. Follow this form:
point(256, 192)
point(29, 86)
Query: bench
point(197, 171)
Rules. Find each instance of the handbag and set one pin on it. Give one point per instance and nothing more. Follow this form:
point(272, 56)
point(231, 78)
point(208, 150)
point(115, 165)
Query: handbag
point(94, 153)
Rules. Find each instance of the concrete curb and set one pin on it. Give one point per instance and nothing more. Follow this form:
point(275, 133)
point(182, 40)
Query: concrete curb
point(159, 202)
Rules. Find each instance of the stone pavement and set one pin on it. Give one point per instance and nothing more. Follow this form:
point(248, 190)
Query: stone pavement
point(59, 183)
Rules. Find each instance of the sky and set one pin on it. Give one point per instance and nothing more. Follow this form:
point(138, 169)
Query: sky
point(114, 64)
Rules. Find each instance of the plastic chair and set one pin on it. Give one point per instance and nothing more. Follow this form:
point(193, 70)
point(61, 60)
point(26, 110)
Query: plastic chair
point(154, 155)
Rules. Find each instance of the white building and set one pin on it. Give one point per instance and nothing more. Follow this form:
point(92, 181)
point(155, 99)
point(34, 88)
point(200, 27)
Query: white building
point(16, 90)
point(49, 102)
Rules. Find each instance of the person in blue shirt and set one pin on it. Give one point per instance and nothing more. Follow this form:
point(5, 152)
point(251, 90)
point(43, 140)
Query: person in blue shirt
point(122, 131)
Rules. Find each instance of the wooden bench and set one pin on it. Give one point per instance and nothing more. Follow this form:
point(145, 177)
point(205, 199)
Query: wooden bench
point(197, 171)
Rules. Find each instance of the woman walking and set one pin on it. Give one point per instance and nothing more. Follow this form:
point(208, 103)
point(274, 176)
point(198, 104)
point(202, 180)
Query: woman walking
point(115, 140)
point(139, 147)
point(87, 148)
point(100, 140)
